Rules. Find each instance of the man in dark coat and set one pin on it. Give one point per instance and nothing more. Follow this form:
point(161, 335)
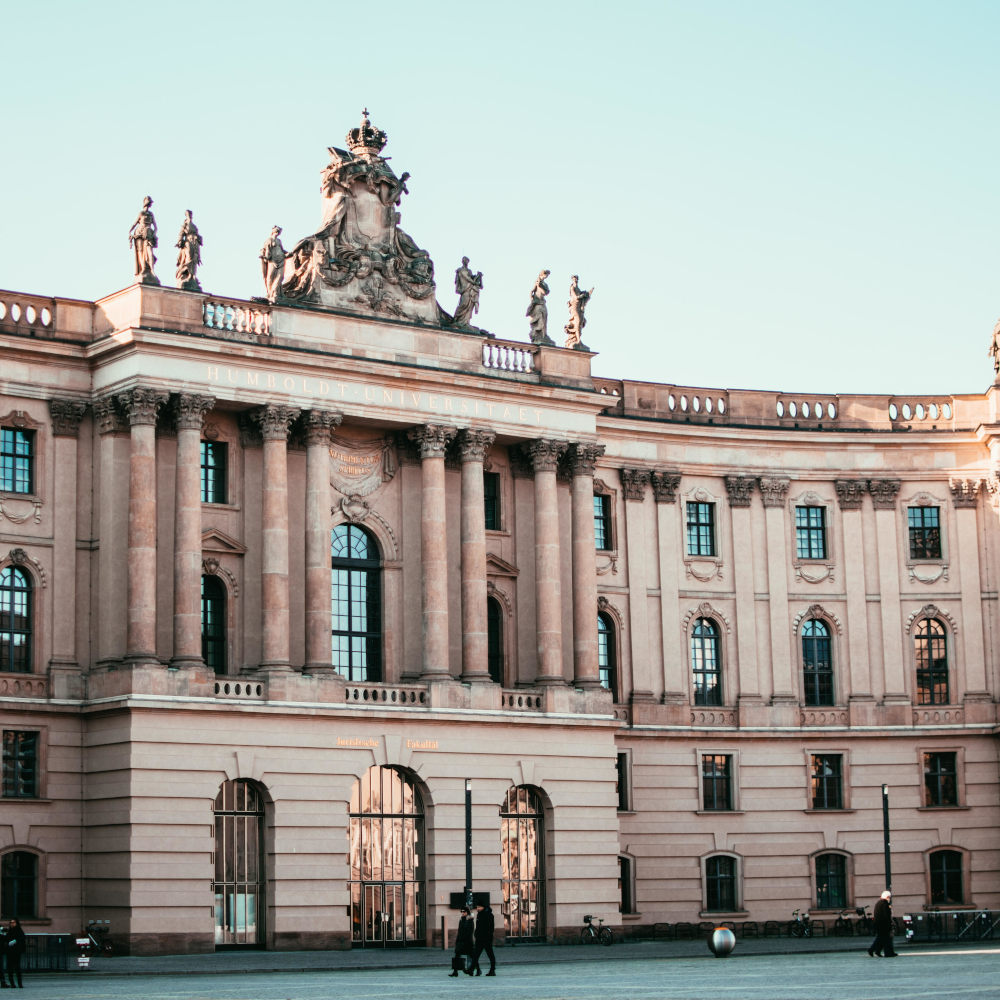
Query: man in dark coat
point(16, 947)
point(484, 939)
point(882, 916)
point(465, 944)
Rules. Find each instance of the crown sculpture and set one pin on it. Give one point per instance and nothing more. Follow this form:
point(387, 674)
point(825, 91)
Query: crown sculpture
point(359, 260)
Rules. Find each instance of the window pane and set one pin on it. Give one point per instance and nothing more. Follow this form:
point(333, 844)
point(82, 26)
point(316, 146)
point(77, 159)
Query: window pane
point(700, 529)
point(17, 460)
point(15, 621)
point(355, 604)
point(810, 532)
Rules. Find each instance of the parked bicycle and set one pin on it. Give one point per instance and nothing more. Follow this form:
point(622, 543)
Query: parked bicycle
point(844, 926)
point(98, 934)
point(865, 924)
point(592, 935)
point(800, 925)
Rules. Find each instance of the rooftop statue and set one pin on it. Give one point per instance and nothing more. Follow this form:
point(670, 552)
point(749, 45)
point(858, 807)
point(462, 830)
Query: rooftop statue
point(272, 264)
point(189, 244)
point(142, 239)
point(468, 286)
point(995, 348)
point(538, 312)
point(359, 259)
point(578, 300)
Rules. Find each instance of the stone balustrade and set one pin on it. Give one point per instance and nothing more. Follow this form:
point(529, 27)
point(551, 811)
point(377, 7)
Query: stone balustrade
point(508, 357)
point(797, 408)
point(386, 694)
point(237, 318)
point(522, 701)
point(23, 686)
point(30, 314)
point(237, 690)
point(931, 410)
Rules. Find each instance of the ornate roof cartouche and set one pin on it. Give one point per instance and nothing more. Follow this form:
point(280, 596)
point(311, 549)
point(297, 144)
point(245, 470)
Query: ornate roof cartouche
point(366, 140)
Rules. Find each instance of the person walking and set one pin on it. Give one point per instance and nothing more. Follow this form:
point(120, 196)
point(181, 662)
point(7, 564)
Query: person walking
point(465, 944)
point(3, 955)
point(882, 917)
point(16, 945)
point(484, 939)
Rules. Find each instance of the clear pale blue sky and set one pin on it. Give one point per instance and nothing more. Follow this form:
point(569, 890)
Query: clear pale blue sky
point(796, 196)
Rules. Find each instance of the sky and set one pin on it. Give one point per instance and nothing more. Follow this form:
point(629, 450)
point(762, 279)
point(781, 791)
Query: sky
point(793, 196)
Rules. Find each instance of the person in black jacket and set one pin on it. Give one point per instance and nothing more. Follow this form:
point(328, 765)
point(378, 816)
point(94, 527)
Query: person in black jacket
point(465, 944)
point(484, 939)
point(15, 947)
point(882, 916)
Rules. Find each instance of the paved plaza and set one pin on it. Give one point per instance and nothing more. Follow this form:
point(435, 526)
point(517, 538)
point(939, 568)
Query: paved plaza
point(626, 973)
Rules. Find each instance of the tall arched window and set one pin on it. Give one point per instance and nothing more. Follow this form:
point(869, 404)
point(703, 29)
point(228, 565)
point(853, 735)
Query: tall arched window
point(522, 877)
point(931, 651)
point(19, 885)
point(15, 620)
point(946, 878)
point(720, 884)
point(817, 663)
point(356, 647)
point(607, 658)
point(387, 871)
point(239, 865)
point(831, 882)
point(213, 624)
point(494, 640)
point(706, 663)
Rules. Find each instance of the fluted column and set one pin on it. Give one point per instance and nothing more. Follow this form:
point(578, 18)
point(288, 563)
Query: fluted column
point(189, 415)
point(274, 422)
point(582, 460)
point(141, 406)
point(318, 425)
point(548, 599)
point(433, 439)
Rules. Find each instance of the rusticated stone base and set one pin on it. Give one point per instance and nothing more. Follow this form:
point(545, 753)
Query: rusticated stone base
point(166, 944)
point(311, 941)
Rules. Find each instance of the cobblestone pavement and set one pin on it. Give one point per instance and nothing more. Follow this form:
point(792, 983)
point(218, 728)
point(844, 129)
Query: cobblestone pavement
point(959, 974)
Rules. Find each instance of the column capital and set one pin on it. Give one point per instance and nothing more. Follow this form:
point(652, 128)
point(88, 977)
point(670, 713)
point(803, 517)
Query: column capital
point(965, 492)
point(433, 439)
point(190, 410)
point(318, 425)
point(665, 486)
point(773, 490)
point(634, 483)
point(274, 421)
point(66, 415)
point(141, 405)
point(739, 489)
point(545, 454)
point(582, 458)
point(107, 416)
point(474, 443)
point(850, 493)
point(884, 492)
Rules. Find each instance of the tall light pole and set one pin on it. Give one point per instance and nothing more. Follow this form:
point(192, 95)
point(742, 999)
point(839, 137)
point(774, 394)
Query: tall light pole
point(468, 843)
point(885, 836)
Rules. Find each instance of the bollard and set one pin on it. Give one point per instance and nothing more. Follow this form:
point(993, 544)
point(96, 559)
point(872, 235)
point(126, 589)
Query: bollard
point(721, 942)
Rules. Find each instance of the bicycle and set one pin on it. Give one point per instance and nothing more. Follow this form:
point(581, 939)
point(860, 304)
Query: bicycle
point(844, 926)
point(799, 926)
point(592, 935)
point(865, 924)
point(98, 934)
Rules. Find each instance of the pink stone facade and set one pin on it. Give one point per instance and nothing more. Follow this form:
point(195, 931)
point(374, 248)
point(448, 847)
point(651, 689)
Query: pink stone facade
point(748, 538)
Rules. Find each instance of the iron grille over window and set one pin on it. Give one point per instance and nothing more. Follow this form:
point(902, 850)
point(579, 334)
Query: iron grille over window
point(720, 884)
point(831, 882)
point(946, 878)
point(20, 764)
point(19, 885)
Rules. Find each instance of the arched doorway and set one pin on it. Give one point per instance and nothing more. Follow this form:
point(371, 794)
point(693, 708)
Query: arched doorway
point(239, 865)
point(387, 865)
point(521, 864)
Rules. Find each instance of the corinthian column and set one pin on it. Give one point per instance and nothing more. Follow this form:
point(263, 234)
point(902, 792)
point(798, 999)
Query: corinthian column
point(473, 445)
point(582, 459)
point(274, 422)
point(189, 413)
point(318, 424)
point(141, 406)
point(433, 439)
point(548, 599)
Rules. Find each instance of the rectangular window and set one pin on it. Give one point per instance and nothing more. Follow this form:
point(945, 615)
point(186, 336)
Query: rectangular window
point(940, 779)
point(924, 525)
point(827, 783)
point(214, 455)
point(717, 782)
point(20, 764)
point(810, 532)
point(17, 460)
point(491, 498)
point(701, 529)
point(602, 522)
point(720, 884)
point(624, 783)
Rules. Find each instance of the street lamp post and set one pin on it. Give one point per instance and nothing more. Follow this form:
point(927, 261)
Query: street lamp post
point(468, 843)
point(885, 837)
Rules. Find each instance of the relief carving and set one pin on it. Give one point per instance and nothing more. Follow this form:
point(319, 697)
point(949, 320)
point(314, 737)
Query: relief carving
point(850, 493)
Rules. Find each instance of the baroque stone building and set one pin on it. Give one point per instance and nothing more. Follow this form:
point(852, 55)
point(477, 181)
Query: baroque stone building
point(280, 577)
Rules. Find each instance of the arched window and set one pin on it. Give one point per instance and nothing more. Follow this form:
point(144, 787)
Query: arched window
point(356, 647)
point(931, 651)
point(522, 875)
point(720, 884)
point(15, 620)
point(213, 624)
point(387, 870)
point(706, 665)
point(494, 640)
point(831, 881)
point(607, 654)
point(946, 878)
point(19, 885)
point(817, 663)
point(239, 864)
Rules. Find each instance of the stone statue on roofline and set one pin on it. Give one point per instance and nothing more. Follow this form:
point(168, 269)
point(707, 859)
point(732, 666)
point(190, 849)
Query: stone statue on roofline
point(143, 241)
point(189, 244)
point(538, 312)
point(995, 350)
point(468, 286)
point(272, 264)
point(578, 300)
